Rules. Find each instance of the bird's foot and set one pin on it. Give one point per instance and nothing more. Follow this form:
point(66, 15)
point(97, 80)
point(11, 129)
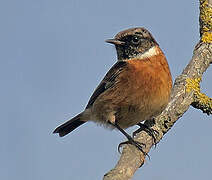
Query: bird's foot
point(130, 141)
point(148, 130)
point(136, 144)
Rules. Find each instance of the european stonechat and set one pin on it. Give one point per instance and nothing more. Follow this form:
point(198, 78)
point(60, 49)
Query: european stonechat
point(135, 89)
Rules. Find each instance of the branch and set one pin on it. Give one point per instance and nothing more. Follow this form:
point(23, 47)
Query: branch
point(185, 92)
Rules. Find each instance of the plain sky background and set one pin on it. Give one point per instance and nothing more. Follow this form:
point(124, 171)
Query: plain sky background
point(53, 55)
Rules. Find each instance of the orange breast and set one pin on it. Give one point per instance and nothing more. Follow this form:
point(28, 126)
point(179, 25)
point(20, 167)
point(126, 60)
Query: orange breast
point(151, 79)
point(146, 90)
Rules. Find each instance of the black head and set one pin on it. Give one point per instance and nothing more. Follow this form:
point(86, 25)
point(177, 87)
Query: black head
point(132, 42)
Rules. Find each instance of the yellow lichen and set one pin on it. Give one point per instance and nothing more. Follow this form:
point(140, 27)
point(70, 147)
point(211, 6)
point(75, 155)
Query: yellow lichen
point(205, 21)
point(193, 84)
point(207, 37)
point(201, 101)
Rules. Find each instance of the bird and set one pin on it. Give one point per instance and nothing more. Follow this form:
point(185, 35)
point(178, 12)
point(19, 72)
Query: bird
point(136, 88)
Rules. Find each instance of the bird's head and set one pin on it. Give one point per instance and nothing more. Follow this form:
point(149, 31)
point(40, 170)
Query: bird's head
point(134, 43)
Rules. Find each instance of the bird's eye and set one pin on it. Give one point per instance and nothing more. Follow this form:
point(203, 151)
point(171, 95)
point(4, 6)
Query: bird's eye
point(135, 40)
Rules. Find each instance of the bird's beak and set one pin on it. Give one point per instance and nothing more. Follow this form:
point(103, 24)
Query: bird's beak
point(115, 41)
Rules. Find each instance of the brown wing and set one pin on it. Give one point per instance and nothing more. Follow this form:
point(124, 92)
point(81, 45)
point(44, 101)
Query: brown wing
point(108, 81)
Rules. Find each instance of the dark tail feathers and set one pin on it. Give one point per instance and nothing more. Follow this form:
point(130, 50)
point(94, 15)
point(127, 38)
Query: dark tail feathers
point(69, 126)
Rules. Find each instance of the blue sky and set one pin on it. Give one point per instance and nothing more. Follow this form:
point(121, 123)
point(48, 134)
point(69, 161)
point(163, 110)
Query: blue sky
point(53, 56)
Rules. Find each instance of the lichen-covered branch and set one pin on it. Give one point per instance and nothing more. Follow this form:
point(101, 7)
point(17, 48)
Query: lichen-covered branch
point(186, 92)
point(205, 20)
point(201, 101)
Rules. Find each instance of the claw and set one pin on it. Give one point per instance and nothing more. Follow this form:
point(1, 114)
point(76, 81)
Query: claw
point(136, 144)
point(148, 130)
point(130, 140)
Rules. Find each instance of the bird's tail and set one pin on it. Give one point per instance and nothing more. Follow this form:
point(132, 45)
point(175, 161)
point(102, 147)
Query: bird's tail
point(69, 126)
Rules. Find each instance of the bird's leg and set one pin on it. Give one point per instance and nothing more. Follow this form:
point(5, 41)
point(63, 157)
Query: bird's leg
point(148, 130)
point(130, 140)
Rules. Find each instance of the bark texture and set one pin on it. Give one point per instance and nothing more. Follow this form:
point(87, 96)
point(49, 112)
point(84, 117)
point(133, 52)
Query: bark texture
point(185, 92)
